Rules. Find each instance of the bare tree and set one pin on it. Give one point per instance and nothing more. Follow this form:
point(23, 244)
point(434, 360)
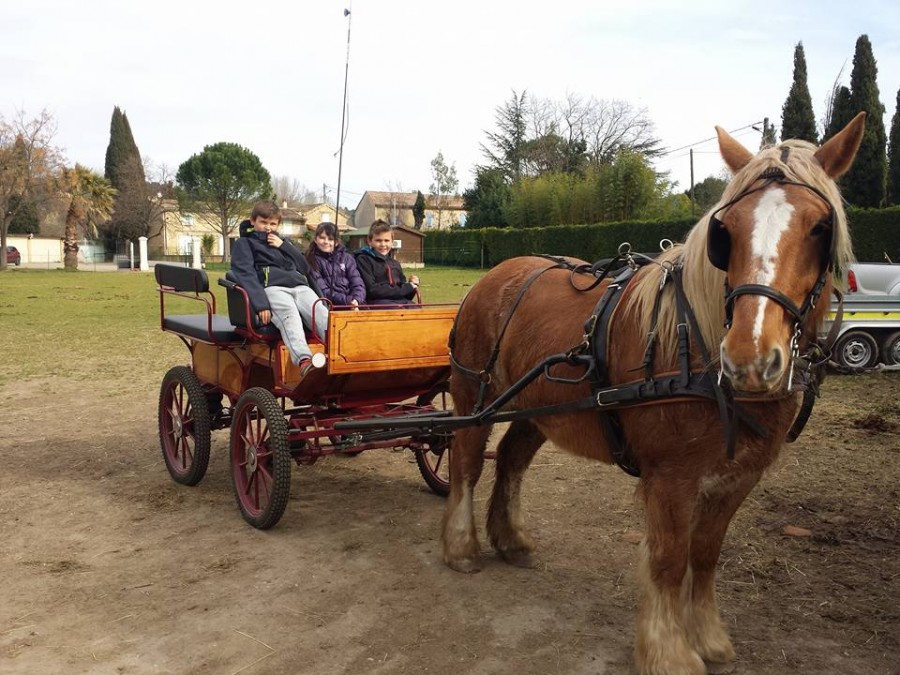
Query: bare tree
point(611, 125)
point(292, 191)
point(29, 165)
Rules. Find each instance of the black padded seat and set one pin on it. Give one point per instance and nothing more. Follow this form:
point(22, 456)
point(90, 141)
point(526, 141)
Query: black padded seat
point(197, 326)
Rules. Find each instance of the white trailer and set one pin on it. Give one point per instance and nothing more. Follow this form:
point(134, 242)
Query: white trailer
point(869, 333)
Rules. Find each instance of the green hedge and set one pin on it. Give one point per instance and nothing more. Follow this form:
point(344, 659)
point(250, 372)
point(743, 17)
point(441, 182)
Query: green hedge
point(874, 231)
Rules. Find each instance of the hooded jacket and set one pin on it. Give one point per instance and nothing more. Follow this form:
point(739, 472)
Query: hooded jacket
point(256, 265)
point(338, 277)
point(383, 276)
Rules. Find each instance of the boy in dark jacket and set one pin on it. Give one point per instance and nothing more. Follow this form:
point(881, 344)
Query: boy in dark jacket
point(383, 276)
point(276, 277)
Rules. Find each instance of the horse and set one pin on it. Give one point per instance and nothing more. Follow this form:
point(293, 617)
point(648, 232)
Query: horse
point(776, 242)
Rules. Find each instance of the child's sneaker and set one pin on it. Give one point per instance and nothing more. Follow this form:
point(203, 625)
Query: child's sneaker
point(305, 366)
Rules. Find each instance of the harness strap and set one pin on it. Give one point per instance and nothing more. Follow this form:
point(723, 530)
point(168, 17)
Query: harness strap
point(724, 395)
point(485, 374)
point(813, 373)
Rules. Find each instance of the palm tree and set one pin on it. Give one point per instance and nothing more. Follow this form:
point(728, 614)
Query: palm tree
point(92, 199)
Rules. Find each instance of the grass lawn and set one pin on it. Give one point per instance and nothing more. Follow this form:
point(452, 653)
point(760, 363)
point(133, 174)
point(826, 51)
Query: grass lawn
point(90, 325)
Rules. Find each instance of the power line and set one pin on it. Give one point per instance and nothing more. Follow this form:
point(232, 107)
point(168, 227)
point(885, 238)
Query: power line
point(707, 140)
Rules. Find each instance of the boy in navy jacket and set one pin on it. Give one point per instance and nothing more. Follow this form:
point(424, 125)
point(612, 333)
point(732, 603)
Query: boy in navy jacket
point(276, 277)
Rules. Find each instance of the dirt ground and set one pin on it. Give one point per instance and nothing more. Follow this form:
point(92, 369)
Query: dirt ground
point(108, 566)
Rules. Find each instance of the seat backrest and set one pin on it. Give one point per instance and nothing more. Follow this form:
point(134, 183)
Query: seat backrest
point(181, 278)
point(238, 308)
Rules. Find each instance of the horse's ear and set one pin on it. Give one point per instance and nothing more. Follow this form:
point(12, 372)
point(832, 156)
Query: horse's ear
point(735, 155)
point(837, 154)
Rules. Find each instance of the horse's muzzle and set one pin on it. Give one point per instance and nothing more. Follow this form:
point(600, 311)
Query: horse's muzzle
point(755, 373)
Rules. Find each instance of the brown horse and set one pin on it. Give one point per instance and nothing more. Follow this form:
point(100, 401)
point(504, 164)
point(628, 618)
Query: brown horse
point(780, 235)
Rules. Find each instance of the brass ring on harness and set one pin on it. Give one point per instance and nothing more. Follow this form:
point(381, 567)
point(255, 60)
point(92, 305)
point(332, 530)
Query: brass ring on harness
point(485, 377)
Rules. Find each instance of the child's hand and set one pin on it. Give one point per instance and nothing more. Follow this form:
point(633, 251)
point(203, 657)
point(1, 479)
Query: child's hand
point(265, 316)
point(274, 240)
point(414, 279)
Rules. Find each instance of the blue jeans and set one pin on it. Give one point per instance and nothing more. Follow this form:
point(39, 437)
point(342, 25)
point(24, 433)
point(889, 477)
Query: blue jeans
point(292, 308)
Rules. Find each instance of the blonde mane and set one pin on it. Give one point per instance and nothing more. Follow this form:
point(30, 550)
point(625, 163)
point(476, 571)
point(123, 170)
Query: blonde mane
point(703, 283)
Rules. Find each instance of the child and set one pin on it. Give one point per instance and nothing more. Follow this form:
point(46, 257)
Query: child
point(383, 276)
point(277, 278)
point(334, 268)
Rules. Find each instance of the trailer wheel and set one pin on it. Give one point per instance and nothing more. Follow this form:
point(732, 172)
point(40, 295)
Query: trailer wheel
point(890, 349)
point(434, 460)
point(184, 426)
point(856, 349)
point(260, 458)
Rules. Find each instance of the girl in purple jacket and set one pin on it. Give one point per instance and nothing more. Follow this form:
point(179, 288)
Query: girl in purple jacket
point(334, 268)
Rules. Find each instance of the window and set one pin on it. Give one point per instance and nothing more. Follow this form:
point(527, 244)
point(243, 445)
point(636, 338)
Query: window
point(187, 219)
point(429, 219)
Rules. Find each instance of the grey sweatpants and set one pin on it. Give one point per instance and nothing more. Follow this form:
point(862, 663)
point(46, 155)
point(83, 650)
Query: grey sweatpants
point(292, 308)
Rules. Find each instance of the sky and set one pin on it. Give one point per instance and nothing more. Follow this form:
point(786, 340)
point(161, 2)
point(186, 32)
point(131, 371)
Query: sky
point(422, 77)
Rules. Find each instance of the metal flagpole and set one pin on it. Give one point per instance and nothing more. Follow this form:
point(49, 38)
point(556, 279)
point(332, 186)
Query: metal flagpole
point(337, 199)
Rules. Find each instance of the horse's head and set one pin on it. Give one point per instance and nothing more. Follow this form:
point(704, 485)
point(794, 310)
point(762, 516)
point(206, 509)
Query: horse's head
point(778, 233)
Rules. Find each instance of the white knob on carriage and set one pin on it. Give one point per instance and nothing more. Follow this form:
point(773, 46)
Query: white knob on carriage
point(319, 360)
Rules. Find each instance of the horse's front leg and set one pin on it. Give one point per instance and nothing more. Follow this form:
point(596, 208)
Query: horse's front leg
point(504, 523)
point(458, 533)
point(719, 499)
point(662, 646)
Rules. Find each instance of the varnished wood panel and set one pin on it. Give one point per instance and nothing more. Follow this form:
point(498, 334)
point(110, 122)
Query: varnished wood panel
point(394, 339)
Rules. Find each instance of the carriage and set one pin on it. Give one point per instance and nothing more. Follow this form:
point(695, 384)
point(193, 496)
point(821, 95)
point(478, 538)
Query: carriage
point(379, 363)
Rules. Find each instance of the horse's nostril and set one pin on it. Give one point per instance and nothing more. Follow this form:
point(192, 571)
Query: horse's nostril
point(775, 365)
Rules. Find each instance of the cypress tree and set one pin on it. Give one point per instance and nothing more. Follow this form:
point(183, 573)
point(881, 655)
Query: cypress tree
point(893, 183)
point(797, 118)
point(841, 113)
point(866, 183)
point(125, 172)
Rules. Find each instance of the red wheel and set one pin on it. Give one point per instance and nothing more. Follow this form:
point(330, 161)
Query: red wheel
point(184, 426)
point(260, 458)
point(434, 459)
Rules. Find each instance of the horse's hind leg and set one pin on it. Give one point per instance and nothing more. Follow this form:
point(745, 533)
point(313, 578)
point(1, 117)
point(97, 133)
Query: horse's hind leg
point(719, 500)
point(458, 533)
point(662, 647)
point(504, 522)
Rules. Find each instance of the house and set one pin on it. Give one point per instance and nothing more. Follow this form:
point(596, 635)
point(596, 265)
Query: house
point(174, 232)
point(441, 211)
point(297, 221)
point(407, 244)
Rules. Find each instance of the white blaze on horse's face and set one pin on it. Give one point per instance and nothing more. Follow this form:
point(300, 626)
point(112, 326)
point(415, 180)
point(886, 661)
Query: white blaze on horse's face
point(772, 217)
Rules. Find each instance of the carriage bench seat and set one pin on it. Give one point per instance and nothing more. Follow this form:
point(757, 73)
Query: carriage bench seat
point(193, 284)
point(198, 326)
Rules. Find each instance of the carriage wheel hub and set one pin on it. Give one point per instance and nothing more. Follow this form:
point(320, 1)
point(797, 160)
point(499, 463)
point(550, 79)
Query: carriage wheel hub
point(251, 459)
point(177, 427)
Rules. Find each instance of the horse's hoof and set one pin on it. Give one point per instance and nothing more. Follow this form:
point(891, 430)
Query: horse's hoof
point(520, 558)
point(719, 667)
point(465, 565)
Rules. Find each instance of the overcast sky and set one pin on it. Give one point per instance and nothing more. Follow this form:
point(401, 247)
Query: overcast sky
point(423, 76)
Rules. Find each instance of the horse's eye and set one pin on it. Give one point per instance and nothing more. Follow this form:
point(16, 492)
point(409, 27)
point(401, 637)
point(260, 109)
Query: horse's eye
point(819, 230)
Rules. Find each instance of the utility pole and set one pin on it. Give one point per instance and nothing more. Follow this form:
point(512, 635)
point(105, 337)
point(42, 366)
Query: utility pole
point(692, 182)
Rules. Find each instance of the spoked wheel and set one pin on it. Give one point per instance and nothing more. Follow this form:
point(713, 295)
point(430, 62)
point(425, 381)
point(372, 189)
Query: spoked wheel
point(434, 460)
point(260, 458)
point(184, 426)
